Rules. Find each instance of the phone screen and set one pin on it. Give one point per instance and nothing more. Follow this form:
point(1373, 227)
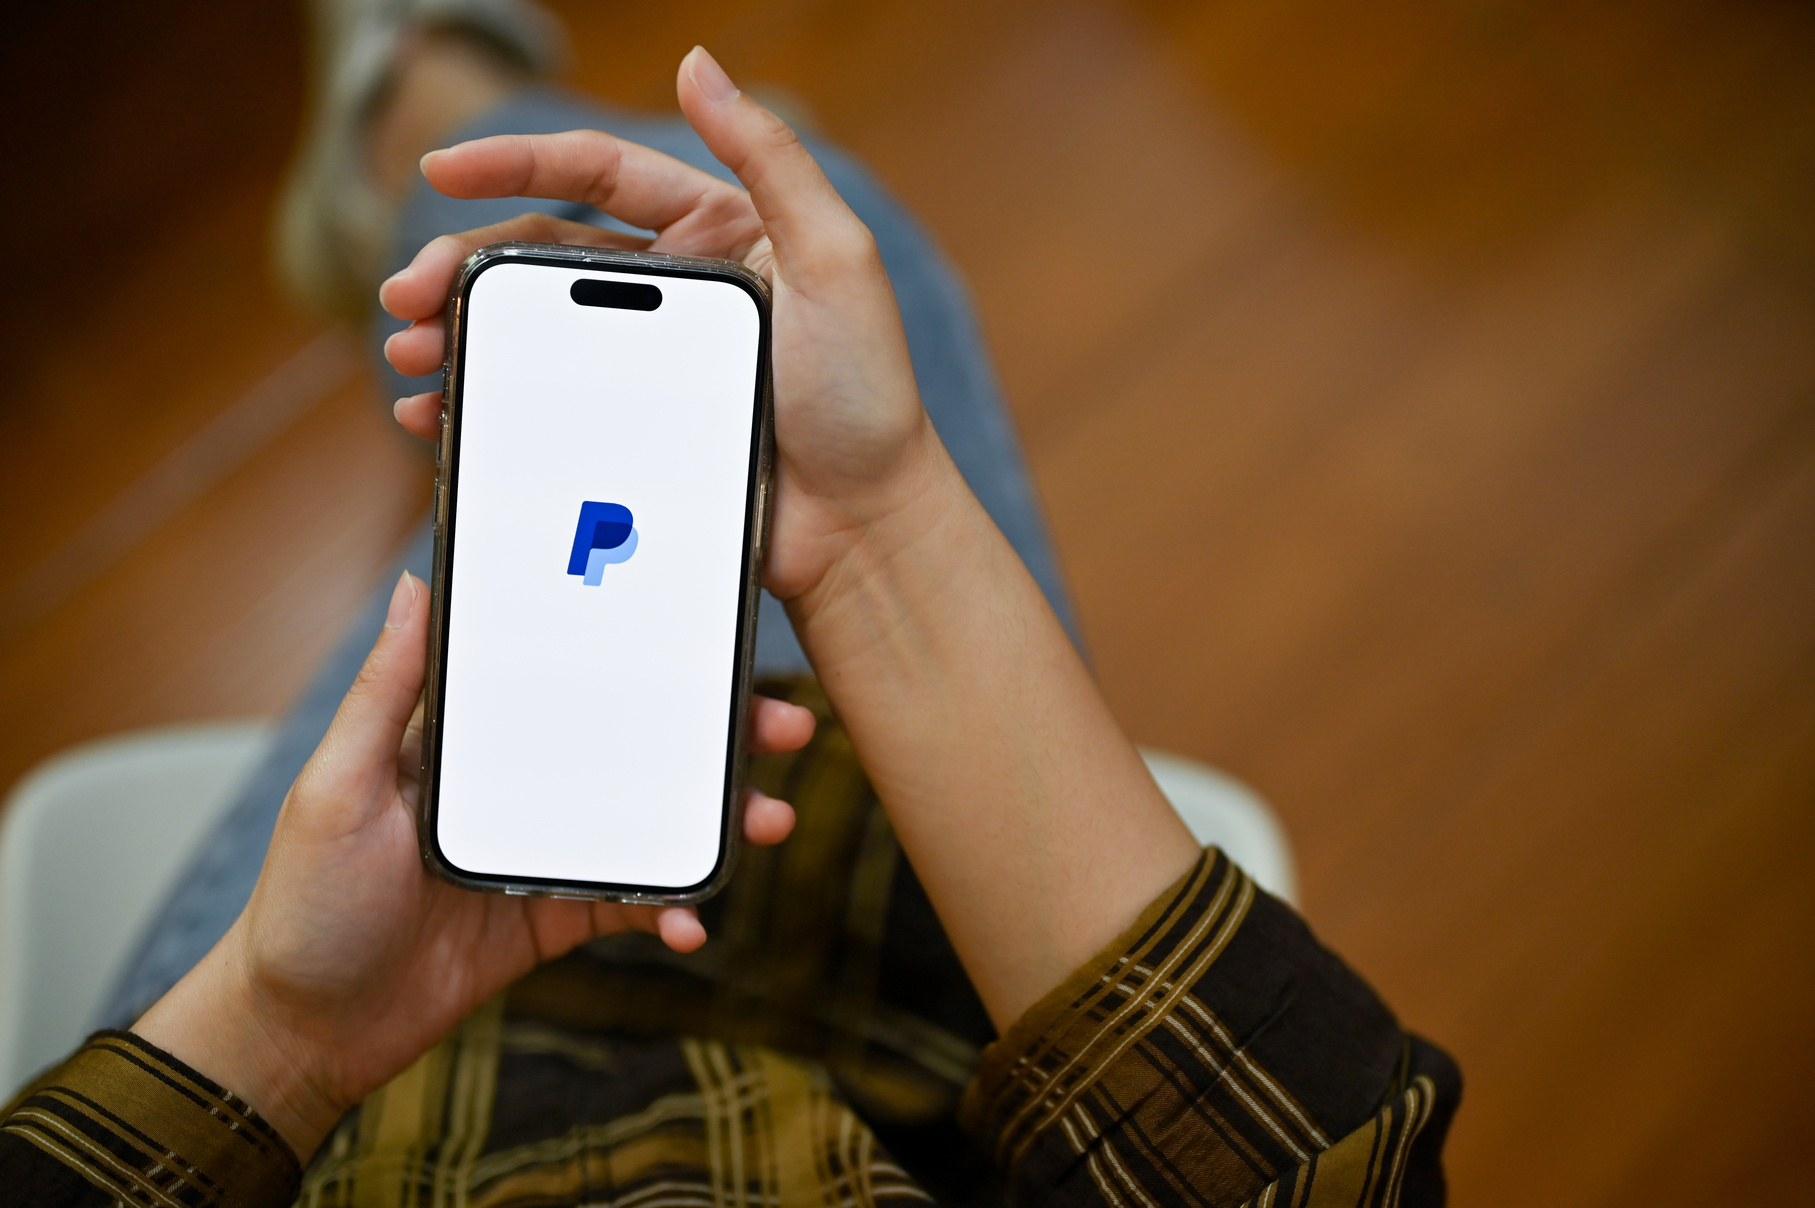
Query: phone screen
point(601, 496)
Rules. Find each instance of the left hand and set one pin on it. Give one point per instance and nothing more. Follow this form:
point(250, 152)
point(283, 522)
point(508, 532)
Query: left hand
point(352, 959)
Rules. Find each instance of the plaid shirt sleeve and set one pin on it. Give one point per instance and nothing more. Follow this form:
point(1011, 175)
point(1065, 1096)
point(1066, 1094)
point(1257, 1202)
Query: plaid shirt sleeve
point(1214, 1054)
point(123, 1122)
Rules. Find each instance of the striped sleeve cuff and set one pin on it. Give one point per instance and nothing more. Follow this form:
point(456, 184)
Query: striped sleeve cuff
point(1214, 1053)
point(142, 1126)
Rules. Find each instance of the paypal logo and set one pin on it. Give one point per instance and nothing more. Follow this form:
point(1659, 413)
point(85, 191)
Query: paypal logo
point(605, 534)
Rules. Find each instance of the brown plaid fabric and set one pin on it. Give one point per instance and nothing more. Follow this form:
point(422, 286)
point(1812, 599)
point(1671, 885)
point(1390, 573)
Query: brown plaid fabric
point(1213, 1055)
point(819, 1051)
point(520, 1114)
point(123, 1122)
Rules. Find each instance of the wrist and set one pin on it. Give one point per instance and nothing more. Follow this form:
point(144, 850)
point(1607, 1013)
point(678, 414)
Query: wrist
point(914, 528)
point(217, 1021)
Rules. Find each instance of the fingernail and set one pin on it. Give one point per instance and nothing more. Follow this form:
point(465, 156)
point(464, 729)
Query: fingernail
point(402, 600)
point(422, 165)
point(711, 78)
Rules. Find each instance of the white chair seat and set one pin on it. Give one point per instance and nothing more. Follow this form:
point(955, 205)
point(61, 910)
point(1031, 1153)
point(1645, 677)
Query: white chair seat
point(1222, 810)
point(90, 844)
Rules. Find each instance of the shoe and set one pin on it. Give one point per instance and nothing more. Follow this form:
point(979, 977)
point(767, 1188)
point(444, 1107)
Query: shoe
point(333, 227)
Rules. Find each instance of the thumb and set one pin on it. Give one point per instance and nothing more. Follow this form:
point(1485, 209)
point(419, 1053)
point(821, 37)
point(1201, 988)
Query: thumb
point(369, 725)
point(806, 220)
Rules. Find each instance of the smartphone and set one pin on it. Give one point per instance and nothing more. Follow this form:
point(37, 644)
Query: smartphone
point(601, 510)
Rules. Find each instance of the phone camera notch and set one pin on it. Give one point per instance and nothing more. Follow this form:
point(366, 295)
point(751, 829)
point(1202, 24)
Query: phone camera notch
point(618, 295)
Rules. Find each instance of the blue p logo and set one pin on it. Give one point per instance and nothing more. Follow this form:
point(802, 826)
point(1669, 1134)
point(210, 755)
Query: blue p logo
point(605, 534)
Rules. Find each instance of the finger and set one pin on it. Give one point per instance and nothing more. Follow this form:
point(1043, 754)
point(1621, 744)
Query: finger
point(416, 351)
point(368, 727)
point(420, 414)
point(559, 925)
point(409, 759)
point(812, 228)
point(777, 726)
point(630, 182)
point(420, 290)
point(680, 928)
point(767, 821)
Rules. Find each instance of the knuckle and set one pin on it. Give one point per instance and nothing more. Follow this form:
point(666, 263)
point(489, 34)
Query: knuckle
point(779, 138)
point(523, 224)
point(731, 211)
point(448, 247)
point(608, 154)
point(842, 249)
point(857, 245)
point(370, 679)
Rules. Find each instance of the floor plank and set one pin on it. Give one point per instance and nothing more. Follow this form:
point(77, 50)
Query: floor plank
point(226, 610)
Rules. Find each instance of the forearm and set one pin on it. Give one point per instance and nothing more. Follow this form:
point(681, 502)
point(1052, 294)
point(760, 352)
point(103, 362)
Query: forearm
point(1026, 812)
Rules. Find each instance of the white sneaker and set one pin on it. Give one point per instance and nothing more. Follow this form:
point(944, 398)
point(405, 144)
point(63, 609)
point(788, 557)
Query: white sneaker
point(332, 226)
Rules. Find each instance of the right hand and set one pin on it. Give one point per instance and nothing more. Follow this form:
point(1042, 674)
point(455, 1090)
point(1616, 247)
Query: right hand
point(352, 959)
point(855, 449)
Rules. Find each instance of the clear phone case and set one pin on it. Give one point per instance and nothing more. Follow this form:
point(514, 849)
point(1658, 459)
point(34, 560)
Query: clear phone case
point(655, 264)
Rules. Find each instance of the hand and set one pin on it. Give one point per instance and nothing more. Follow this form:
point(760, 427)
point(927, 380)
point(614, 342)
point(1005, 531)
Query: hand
point(854, 442)
point(1026, 812)
point(351, 959)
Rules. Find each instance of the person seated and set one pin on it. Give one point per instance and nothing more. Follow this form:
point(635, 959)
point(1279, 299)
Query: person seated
point(989, 963)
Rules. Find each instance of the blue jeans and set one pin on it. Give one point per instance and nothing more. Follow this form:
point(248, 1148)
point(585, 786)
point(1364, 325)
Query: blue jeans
point(956, 382)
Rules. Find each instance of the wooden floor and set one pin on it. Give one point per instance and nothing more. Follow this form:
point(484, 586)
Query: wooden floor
point(1423, 396)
